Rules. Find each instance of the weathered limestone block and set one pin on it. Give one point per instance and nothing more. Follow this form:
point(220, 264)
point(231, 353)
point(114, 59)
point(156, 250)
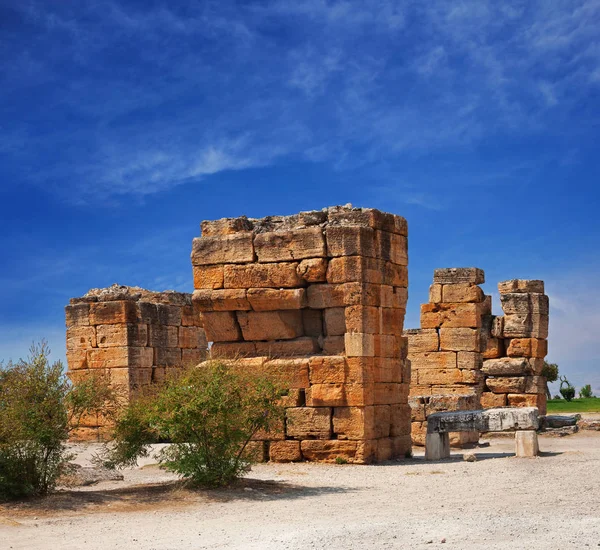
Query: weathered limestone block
point(229, 299)
point(528, 400)
point(167, 357)
point(535, 384)
point(266, 299)
point(524, 303)
point(334, 321)
point(270, 325)
point(365, 319)
point(455, 275)
point(285, 451)
point(221, 326)
point(274, 275)
point(527, 347)
point(344, 240)
point(368, 217)
point(361, 269)
point(223, 249)
point(297, 244)
point(392, 321)
point(81, 337)
point(191, 338)
point(122, 335)
point(439, 376)
point(491, 400)
point(389, 369)
point(333, 345)
point(422, 340)
point(163, 336)
point(489, 420)
point(521, 285)
point(125, 356)
point(391, 247)
point(356, 452)
point(288, 348)
point(340, 395)
point(494, 348)
point(168, 314)
point(231, 350)
point(389, 393)
point(359, 344)
point(348, 294)
point(313, 270)
point(191, 357)
point(526, 443)
point(437, 446)
point(536, 365)
point(433, 360)
point(462, 293)
point(460, 339)
point(208, 276)
point(506, 384)
point(370, 422)
point(392, 296)
point(308, 422)
point(190, 316)
point(335, 369)
point(497, 330)
point(521, 325)
point(506, 366)
point(469, 360)
point(435, 293)
point(225, 226)
point(108, 313)
point(77, 315)
point(451, 315)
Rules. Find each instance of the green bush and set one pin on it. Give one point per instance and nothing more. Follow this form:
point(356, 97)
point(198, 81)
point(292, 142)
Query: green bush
point(566, 389)
point(586, 392)
point(208, 414)
point(38, 409)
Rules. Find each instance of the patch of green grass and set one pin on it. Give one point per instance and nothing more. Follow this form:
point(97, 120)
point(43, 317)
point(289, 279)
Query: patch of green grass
point(557, 406)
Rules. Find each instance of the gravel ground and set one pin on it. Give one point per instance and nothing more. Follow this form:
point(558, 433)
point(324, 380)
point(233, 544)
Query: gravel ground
point(498, 501)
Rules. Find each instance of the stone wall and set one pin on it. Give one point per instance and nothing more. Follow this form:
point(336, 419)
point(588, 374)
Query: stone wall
point(132, 336)
point(515, 351)
point(463, 358)
point(317, 300)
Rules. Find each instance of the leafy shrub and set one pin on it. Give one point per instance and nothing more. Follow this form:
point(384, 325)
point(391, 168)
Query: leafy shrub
point(209, 415)
point(38, 409)
point(566, 389)
point(586, 392)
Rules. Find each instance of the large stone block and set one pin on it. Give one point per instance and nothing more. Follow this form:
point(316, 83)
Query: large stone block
point(389, 369)
point(506, 384)
point(489, 420)
point(288, 348)
point(81, 337)
point(392, 321)
point(462, 293)
point(289, 373)
point(390, 393)
point(391, 247)
point(460, 339)
point(223, 249)
point(439, 376)
point(422, 340)
point(365, 319)
point(400, 414)
point(192, 338)
point(521, 325)
point(167, 357)
point(274, 275)
point(232, 350)
point(267, 299)
point(494, 348)
point(527, 347)
point(506, 366)
point(163, 336)
point(528, 400)
point(122, 335)
point(359, 344)
point(469, 360)
point(229, 299)
point(491, 400)
point(392, 296)
point(226, 226)
point(344, 240)
point(313, 270)
point(355, 452)
point(190, 316)
point(451, 315)
point(366, 270)
point(221, 326)
point(334, 369)
point(109, 313)
point(340, 395)
point(312, 320)
point(524, 303)
point(126, 356)
point(356, 422)
point(333, 345)
point(285, 451)
point(208, 276)
point(77, 359)
point(335, 321)
point(521, 285)
point(296, 244)
point(367, 217)
point(455, 275)
point(168, 314)
point(270, 325)
point(77, 314)
point(191, 357)
point(433, 360)
point(308, 422)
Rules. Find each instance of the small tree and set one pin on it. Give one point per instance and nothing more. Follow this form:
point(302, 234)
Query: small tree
point(566, 389)
point(550, 373)
point(208, 413)
point(38, 409)
point(586, 391)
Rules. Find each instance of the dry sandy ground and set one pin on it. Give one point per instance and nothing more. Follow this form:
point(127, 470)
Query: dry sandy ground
point(499, 501)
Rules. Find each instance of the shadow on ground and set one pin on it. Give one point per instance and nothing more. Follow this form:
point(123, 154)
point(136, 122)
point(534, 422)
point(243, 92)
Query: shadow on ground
point(156, 496)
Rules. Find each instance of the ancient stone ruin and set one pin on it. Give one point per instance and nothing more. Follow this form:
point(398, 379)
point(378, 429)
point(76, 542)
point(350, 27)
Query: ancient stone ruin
point(132, 336)
point(317, 301)
point(464, 358)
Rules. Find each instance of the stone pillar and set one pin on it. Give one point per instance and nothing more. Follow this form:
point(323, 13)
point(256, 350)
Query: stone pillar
point(131, 336)
point(515, 353)
point(318, 300)
point(446, 352)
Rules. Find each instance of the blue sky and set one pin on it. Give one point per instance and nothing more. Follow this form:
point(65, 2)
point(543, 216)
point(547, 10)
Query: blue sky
point(123, 124)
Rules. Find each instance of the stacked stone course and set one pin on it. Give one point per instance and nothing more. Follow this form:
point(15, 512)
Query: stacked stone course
point(132, 337)
point(515, 351)
point(446, 352)
point(318, 300)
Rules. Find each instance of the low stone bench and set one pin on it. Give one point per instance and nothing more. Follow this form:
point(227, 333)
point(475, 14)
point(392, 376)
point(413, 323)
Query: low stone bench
point(523, 421)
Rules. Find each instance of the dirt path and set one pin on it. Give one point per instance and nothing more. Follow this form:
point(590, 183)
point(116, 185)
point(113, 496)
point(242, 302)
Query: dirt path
point(551, 502)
